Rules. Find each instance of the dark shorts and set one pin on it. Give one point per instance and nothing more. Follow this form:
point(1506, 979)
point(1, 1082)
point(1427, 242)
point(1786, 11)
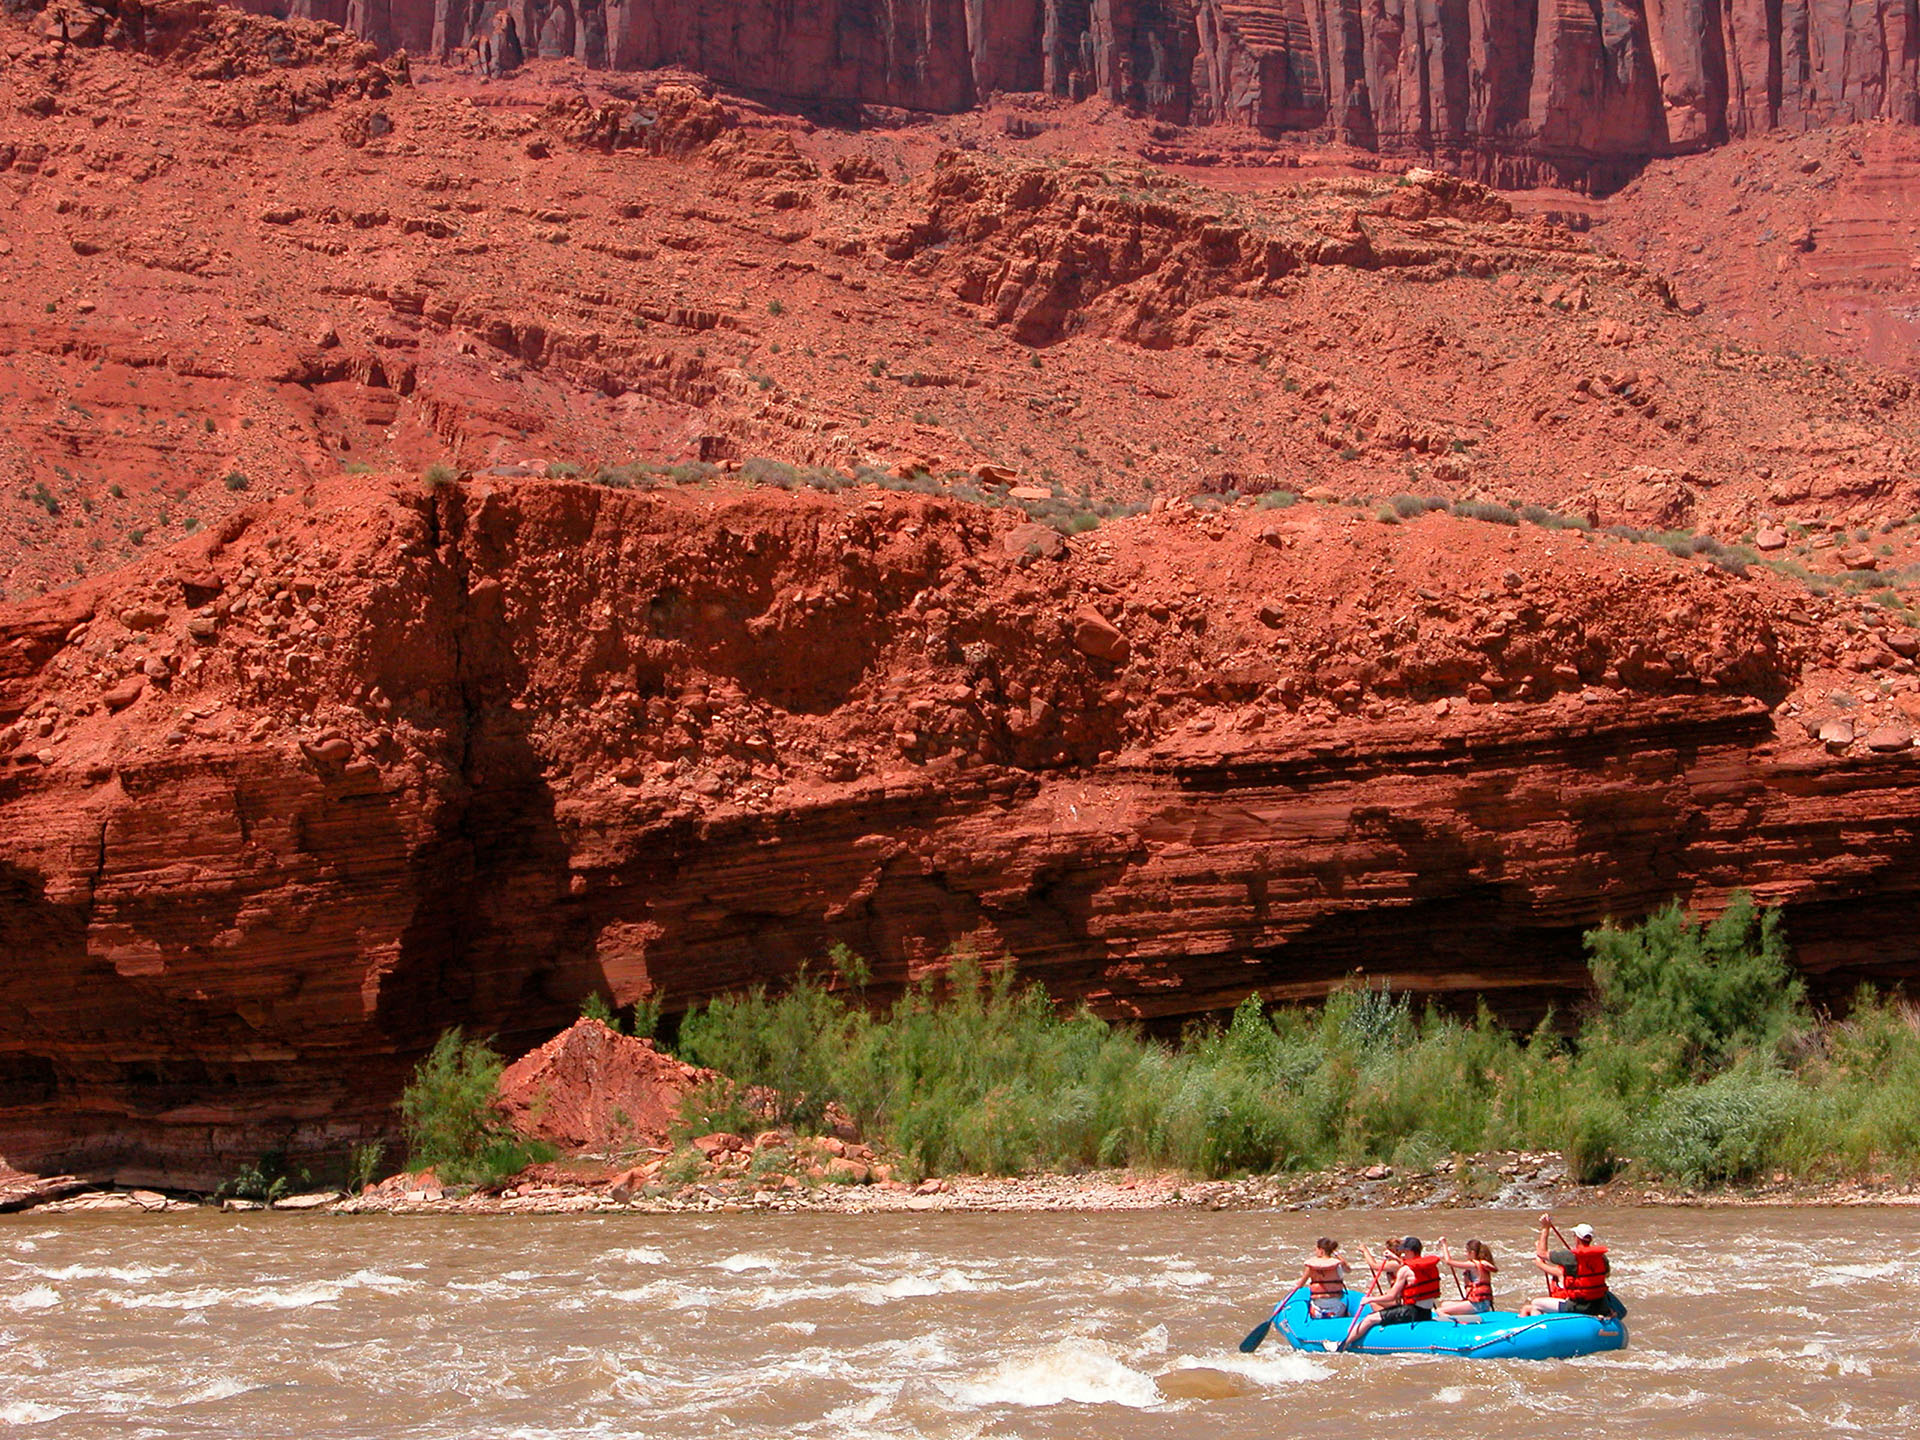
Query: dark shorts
point(1405, 1315)
point(1601, 1308)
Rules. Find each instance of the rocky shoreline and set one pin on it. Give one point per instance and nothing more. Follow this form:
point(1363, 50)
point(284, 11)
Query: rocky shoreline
point(1520, 1181)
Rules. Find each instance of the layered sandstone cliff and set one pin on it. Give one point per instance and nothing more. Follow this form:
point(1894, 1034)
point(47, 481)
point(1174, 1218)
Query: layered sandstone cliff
point(277, 808)
point(365, 757)
point(1578, 90)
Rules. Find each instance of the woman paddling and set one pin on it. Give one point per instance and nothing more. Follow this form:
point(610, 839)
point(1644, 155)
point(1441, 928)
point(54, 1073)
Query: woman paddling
point(1325, 1277)
point(1477, 1270)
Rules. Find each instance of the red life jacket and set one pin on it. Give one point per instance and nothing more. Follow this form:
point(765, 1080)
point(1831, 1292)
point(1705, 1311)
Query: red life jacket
point(1480, 1288)
point(1325, 1282)
point(1588, 1278)
point(1424, 1288)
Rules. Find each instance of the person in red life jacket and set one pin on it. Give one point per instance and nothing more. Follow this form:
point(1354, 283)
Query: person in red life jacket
point(1477, 1271)
point(1325, 1276)
point(1386, 1265)
point(1576, 1278)
point(1410, 1298)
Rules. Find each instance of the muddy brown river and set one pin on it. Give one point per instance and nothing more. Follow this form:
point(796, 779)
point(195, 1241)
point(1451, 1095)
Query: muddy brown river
point(1744, 1324)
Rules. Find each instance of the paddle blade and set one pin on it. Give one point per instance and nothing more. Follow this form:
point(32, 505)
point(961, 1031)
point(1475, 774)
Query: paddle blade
point(1615, 1308)
point(1255, 1336)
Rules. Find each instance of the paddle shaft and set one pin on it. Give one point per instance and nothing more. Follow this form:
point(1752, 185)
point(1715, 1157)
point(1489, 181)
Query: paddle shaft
point(1378, 1272)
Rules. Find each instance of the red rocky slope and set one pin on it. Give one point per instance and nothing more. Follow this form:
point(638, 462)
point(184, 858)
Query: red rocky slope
point(315, 757)
point(1582, 91)
point(285, 802)
point(232, 275)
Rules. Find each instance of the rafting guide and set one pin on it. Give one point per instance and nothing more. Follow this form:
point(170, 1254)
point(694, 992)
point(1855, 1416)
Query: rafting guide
point(1404, 1312)
point(1576, 1275)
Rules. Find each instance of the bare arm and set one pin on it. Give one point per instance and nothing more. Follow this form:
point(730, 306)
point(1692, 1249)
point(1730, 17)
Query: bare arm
point(1391, 1295)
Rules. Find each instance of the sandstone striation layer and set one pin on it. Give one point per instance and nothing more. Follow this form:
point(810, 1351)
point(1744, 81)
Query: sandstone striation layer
point(280, 807)
point(1576, 91)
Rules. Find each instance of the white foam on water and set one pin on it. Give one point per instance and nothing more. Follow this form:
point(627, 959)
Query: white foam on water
point(863, 1411)
point(1825, 1277)
point(375, 1280)
point(637, 1255)
point(637, 1387)
point(905, 1287)
point(125, 1275)
point(1449, 1395)
point(1670, 1362)
point(923, 1355)
point(1152, 1342)
point(1181, 1278)
point(34, 1297)
point(814, 1363)
point(502, 1287)
point(794, 1327)
point(738, 1264)
point(1067, 1372)
point(1272, 1368)
point(1677, 1399)
point(206, 1297)
point(28, 1412)
point(1831, 1359)
point(224, 1388)
point(318, 1292)
point(266, 1297)
point(673, 1294)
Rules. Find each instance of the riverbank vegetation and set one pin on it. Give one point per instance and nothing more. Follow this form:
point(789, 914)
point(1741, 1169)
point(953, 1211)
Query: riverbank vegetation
point(449, 1119)
point(1700, 1061)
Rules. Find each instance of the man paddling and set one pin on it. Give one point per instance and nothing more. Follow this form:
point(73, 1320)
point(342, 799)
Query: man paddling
point(1576, 1276)
point(1409, 1299)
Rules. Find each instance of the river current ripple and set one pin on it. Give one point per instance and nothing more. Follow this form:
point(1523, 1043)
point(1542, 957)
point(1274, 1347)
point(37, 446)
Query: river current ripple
point(1745, 1323)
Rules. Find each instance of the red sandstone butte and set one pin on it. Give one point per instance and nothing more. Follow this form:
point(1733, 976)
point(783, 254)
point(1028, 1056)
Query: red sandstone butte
point(592, 1089)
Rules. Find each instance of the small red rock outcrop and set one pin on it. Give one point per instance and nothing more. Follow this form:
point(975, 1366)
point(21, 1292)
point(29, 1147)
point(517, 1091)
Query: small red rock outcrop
point(592, 1089)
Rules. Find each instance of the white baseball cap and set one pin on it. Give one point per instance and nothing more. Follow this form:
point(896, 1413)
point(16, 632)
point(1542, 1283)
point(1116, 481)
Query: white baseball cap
point(1585, 1232)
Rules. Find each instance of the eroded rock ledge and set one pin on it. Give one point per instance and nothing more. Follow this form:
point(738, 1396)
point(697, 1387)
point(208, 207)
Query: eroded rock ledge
point(281, 805)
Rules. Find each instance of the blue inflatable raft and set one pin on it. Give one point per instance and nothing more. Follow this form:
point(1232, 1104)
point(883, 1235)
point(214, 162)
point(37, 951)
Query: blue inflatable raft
point(1499, 1335)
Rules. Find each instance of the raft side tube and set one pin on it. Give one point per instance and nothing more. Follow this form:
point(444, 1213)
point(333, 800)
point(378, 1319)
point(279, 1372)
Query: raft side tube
point(1497, 1335)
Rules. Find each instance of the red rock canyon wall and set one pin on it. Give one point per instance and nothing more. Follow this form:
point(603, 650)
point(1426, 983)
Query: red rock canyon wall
point(277, 810)
point(1574, 89)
